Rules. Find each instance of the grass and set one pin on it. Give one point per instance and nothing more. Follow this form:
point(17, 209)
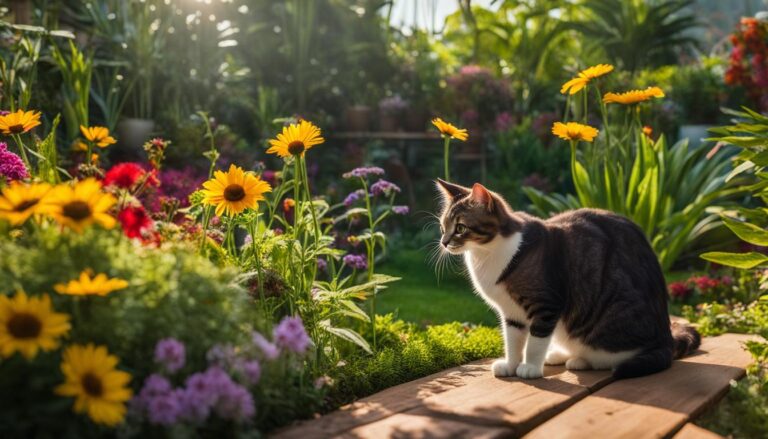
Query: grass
point(422, 298)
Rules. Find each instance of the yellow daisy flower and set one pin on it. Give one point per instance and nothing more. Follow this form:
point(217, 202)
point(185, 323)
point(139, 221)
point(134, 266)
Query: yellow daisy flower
point(86, 285)
point(633, 96)
point(574, 131)
point(29, 324)
point(582, 79)
point(19, 201)
point(295, 139)
point(99, 136)
point(449, 130)
point(19, 122)
point(99, 388)
point(81, 205)
point(234, 191)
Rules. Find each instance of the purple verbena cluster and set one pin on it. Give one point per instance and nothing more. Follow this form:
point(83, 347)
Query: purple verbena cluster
point(170, 353)
point(363, 172)
point(353, 197)
point(401, 210)
point(290, 334)
point(384, 187)
point(357, 262)
point(11, 166)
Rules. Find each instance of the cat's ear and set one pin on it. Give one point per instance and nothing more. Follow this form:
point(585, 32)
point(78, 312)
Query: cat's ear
point(482, 196)
point(450, 190)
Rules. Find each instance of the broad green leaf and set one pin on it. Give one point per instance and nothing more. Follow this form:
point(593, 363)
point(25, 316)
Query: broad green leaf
point(738, 260)
point(746, 231)
point(346, 334)
point(739, 169)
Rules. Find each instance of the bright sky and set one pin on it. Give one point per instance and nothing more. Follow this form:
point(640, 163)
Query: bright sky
point(427, 14)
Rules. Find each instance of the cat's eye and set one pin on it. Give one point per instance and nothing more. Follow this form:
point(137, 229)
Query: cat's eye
point(460, 228)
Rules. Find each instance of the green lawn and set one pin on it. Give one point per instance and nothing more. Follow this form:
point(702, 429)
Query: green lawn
point(422, 298)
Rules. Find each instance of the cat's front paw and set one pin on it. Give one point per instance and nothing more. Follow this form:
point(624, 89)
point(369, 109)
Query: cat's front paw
point(529, 371)
point(503, 368)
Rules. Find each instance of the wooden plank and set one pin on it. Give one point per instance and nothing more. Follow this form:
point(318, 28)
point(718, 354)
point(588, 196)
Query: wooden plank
point(387, 402)
point(468, 393)
point(692, 431)
point(656, 405)
point(423, 427)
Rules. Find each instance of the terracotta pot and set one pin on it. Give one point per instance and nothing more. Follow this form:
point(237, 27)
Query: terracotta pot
point(357, 118)
point(389, 122)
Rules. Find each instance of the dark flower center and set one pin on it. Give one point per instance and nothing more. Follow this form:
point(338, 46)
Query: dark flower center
point(16, 129)
point(296, 147)
point(234, 192)
point(26, 204)
point(92, 384)
point(77, 210)
point(24, 325)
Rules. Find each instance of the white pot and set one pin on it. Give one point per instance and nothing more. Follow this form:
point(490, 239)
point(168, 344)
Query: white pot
point(694, 133)
point(132, 133)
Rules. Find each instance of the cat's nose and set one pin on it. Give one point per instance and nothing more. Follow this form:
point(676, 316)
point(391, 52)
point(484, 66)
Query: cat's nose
point(445, 242)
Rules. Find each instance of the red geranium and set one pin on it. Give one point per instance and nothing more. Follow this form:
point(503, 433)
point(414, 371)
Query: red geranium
point(679, 290)
point(135, 221)
point(124, 175)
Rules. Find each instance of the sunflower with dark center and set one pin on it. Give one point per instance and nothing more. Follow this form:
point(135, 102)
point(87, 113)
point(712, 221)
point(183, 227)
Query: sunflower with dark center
point(296, 139)
point(81, 205)
point(19, 122)
point(29, 324)
point(100, 390)
point(19, 201)
point(234, 191)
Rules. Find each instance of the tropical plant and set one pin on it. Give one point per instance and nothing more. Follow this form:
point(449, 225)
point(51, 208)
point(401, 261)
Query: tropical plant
point(76, 71)
point(635, 34)
point(666, 190)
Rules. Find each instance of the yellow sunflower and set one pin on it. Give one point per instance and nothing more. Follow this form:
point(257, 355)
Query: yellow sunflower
point(449, 130)
point(234, 191)
point(28, 324)
point(19, 201)
point(582, 79)
point(574, 131)
point(80, 206)
point(633, 96)
point(19, 122)
point(100, 285)
point(99, 388)
point(99, 136)
point(295, 139)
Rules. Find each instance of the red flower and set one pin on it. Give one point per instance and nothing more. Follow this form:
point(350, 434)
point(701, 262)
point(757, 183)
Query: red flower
point(134, 220)
point(679, 290)
point(124, 175)
point(705, 283)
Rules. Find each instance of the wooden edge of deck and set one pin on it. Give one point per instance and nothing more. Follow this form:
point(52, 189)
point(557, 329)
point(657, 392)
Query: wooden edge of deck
point(693, 431)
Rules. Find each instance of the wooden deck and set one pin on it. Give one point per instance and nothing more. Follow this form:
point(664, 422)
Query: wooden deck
point(468, 401)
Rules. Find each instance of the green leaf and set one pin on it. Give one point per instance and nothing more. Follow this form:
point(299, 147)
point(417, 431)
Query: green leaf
point(355, 311)
point(746, 231)
point(738, 260)
point(346, 334)
point(739, 169)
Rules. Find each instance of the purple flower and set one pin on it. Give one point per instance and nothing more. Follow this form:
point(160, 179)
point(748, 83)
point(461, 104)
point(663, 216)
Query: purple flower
point(363, 172)
point(194, 406)
point(384, 187)
point(504, 120)
point(170, 353)
point(164, 409)
point(401, 210)
point(269, 350)
point(290, 334)
point(250, 370)
point(353, 197)
point(201, 388)
point(180, 184)
point(322, 264)
point(357, 262)
point(11, 166)
point(235, 403)
point(154, 385)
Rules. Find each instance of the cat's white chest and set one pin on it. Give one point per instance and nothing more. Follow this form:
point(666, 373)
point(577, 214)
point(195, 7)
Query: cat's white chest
point(485, 265)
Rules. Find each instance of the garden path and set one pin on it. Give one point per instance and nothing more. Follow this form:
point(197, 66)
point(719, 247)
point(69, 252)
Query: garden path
point(468, 401)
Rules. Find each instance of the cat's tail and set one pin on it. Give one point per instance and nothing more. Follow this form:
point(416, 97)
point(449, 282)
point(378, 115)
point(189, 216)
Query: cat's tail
point(686, 340)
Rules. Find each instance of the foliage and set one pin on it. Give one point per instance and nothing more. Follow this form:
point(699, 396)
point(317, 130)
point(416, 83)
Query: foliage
point(636, 34)
point(76, 71)
point(746, 64)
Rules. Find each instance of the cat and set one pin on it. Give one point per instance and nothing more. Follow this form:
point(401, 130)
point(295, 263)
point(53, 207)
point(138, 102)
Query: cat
point(583, 288)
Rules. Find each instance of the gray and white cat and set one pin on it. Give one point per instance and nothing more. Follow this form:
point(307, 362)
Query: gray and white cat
point(582, 288)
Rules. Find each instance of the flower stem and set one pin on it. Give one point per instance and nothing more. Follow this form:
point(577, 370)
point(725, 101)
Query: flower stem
point(446, 160)
point(24, 157)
